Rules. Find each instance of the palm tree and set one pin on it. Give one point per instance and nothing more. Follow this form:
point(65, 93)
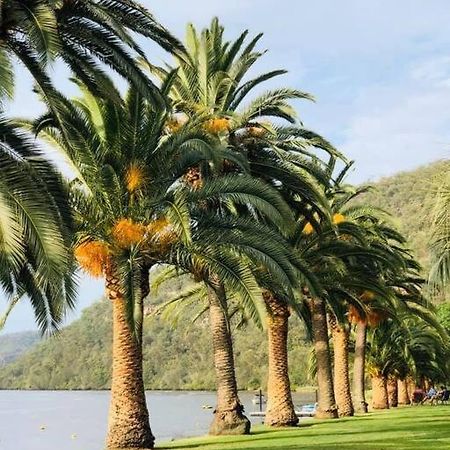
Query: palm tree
point(359, 367)
point(401, 278)
point(341, 337)
point(35, 229)
point(331, 260)
point(440, 236)
point(409, 344)
point(402, 389)
point(84, 35)
point(210, 81)
point(134, 209)
point(313, 248)
point(280, 409)
point(392, 391)
point(262, 247)
point(126, 217)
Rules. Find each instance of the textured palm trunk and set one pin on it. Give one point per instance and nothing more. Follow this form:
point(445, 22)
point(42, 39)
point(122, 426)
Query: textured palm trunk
point(228, 415)
point(392, 392)
point(359, 375)
point(379, 392)
point(128, 426)
point(411, 383)
point(341, 373)
point(403, 395)
point(326, 403)
point(280, 410)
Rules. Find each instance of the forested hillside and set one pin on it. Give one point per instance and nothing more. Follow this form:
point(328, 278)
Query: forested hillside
point(174, 358)
point(181, 357)
point(408, 196)
point(14, 344)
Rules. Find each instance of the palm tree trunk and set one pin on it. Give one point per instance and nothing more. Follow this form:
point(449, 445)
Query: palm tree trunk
point(341, 375)
point(129, 426)
point(280, 410)
point(392, 392)
point(412, 384)
point(228, 415)
point(379, 392)
point(359, 376)
point(403, 396)
point(327, 405)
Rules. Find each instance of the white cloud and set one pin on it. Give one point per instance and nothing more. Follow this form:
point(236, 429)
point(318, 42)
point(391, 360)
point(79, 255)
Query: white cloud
point(434, 71)
point(324, 28)
point(407, 128)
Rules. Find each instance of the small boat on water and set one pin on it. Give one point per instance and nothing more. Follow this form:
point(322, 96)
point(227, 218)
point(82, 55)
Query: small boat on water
point(308, 410)
point(305, 411)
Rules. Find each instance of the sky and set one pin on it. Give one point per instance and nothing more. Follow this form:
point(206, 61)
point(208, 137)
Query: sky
point(379, 72)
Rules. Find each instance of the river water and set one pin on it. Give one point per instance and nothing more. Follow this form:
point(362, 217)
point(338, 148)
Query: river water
point(76, 420)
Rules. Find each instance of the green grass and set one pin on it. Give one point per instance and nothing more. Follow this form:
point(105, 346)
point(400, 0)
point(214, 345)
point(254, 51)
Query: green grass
point(419, 427)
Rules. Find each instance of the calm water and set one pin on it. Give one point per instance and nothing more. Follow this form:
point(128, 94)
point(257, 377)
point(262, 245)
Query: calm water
point(76, 420)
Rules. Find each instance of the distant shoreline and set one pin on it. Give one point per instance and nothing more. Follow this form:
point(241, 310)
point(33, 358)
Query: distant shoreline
point(298, 391)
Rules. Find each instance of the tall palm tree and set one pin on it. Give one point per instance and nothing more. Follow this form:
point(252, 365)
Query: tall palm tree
point(314, 249)
point(377, 265)
point(263, 248)
point(84, 35)
point(402, 389)
point(402, 280)
point(280, 409)
point(35, 229)
point(122, 202)
point(134, 209)
point(210, 80)
point(330, 259)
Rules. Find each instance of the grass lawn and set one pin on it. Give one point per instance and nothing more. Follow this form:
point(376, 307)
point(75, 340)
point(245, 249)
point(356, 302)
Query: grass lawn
point(418, 427)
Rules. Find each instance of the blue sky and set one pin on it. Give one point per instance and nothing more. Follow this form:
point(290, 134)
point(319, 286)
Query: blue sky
point(380, 73)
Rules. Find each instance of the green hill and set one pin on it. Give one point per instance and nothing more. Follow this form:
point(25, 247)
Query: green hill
point(174, 358)
point(181, 357)
point(408, 196)
point(15, 344)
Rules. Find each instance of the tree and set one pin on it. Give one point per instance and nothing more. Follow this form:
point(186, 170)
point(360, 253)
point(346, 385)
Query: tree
point(84, 35)
point(330, 258)
point(409, 344)
point(440, 235)
point(134, 209)
point(127, 215)
point(378, 273)
point(280, 409)
point(35, 229)
point(261, 247)
point(210, 81)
